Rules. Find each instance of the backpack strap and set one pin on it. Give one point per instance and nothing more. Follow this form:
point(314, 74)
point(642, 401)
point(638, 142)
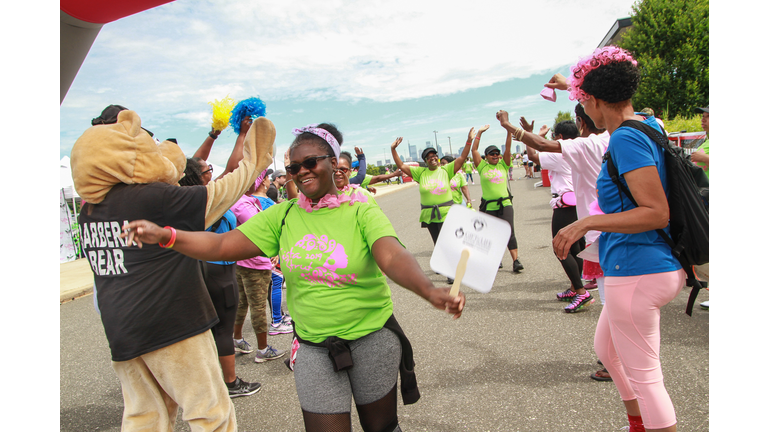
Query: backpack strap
point(660, 139)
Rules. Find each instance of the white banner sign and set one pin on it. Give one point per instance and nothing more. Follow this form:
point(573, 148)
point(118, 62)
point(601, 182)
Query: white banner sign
point(484, 236)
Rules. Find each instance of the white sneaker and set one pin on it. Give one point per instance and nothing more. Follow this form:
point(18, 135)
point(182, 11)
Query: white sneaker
point(280, 328)
point(704, 304)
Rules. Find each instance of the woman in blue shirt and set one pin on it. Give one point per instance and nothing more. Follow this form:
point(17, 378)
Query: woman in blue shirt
point(641, 274)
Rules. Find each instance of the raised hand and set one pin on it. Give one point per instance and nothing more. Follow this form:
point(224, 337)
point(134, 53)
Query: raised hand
point(543, 131)
point(503, 117)
point(471, 134)
point(558, 82)
point(483, 129)
point(358, 151)
point(526, 127)
point(397, 142)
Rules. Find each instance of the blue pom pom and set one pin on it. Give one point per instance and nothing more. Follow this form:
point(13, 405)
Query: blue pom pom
point(253, 107)
point(355, 164)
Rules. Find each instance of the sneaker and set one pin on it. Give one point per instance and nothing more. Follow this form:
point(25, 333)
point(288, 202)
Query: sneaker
point(242, 388)
point(590, 286)
point(566, 295)
point(579, 302)
point(704, 304)
point(287, 319)
point(280, 328)
point(450, 281)
point(517, 266)
point(501, 265)
point(243, 347)
point(268, 354)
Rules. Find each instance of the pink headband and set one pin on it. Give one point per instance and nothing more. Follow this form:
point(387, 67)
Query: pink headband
point(601, 56)
point(322, 133)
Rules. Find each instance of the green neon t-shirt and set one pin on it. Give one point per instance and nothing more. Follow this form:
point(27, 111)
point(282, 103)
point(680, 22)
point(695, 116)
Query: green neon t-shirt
point(367, 180)
point(493, 180)
point(704, 146)
point(434, 188)
point(457, 182)
point(334, 286)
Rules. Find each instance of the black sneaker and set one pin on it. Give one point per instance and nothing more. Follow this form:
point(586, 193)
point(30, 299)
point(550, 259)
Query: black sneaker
point(501, 265)
point(517, 266)
point(242, 388)
point(450, 281)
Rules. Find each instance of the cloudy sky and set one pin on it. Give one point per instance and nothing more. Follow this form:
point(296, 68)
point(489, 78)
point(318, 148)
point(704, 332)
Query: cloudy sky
point(377, 69)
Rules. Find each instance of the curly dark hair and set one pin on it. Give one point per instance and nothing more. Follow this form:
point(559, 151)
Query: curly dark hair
point(447, 158)
point(587, 120)
point(307, 136)
point(566, 129)
point(193, 175)
point(614, 82)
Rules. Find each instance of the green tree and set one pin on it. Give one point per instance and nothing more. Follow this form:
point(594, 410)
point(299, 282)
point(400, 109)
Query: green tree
point(562, 116)
point(670, 41)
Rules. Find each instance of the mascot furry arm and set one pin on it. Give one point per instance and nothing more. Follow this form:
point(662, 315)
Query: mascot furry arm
point(123, 152)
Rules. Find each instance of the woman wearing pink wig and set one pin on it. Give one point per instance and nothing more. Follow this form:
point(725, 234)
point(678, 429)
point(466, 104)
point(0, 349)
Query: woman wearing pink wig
point(641, 274)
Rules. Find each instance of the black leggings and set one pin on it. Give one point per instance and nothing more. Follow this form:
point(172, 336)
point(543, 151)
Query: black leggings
point(508, 214)
point(434, 230)
point(222, 287)
point(573, 265)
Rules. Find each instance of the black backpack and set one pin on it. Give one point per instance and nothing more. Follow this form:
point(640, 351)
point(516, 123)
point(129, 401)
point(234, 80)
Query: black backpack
point(688, 198)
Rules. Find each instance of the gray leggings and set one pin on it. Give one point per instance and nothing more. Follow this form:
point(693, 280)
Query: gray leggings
point(376, 360)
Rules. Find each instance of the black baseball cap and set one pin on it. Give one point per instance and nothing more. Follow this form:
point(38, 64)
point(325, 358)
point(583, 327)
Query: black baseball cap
point(427, 151)
point(703, 110)
point(490, 149)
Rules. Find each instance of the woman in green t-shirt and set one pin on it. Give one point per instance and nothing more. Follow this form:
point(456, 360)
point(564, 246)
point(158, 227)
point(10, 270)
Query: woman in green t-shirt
point(458, 185)
point(434, 184)
point(332, 249)
point(496, 200)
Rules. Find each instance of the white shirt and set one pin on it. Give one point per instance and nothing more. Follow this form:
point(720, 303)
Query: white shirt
point(585, 156)
point(559, 175)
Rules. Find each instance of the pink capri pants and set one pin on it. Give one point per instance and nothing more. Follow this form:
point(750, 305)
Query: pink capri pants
point(627, 340)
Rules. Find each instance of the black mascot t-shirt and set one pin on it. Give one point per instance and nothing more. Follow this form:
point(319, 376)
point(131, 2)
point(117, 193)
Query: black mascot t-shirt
point(151, 297)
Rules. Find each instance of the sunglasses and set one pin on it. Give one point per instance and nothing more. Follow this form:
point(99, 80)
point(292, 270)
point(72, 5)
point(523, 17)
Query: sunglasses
point(343, 169)
point(308, 163)
point(494, 153)
point(210, 168)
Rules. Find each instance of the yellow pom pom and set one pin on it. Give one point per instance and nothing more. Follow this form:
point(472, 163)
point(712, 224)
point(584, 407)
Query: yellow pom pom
point(221, 112)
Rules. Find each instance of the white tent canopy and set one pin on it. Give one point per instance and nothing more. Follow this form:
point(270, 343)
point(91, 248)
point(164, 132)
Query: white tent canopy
point(65, 179)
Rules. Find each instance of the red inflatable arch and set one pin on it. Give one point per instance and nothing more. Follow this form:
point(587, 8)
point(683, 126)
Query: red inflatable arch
point(81, 21)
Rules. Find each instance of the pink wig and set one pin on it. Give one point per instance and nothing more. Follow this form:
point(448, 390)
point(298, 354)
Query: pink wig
point(601, 56)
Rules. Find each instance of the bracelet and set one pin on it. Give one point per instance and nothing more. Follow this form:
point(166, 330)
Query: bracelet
point(477, 137)
point(212, 135)
point(519, 136)
point(171, 242)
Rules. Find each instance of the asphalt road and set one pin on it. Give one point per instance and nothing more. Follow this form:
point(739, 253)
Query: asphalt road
point(513, 362)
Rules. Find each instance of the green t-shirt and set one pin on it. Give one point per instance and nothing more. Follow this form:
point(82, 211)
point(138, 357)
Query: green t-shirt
point(334, 286)
point(457, 182)
point(467, 167)
point(704, 146)
point(435, 188)
point(493, 180)
point(366, 181)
